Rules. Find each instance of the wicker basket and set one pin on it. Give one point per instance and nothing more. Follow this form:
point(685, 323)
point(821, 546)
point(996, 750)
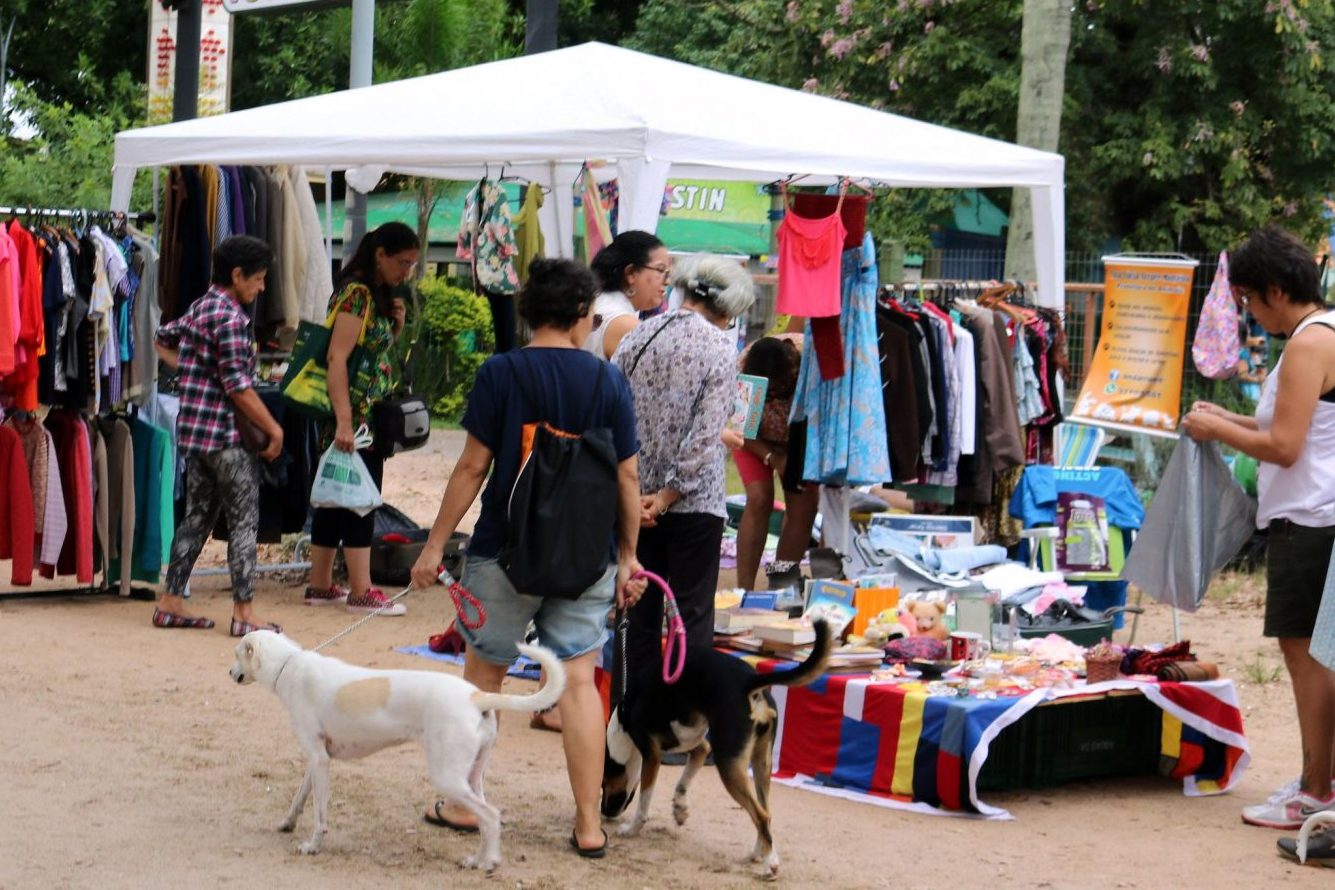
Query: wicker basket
point(1100, 670)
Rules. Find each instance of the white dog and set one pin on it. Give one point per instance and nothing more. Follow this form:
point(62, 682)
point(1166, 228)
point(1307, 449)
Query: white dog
point(342, 711)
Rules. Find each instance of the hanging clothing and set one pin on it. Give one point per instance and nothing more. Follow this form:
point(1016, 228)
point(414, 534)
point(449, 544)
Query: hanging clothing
point(810, 253)
point(846, 435)
point(33, 440)
point(529, 242)
point(75, 458)
point(120, 498)
point(17, 535)
point(1001, 444)
point(146, 317)
point(55, 522)
point(899, 396)
point(9, 303)
point(315, 281)
point(486, 238)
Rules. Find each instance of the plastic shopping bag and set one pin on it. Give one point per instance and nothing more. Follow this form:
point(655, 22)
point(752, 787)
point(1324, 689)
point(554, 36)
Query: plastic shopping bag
point(342, 479)
point(1322, 647)
point(1199, 519)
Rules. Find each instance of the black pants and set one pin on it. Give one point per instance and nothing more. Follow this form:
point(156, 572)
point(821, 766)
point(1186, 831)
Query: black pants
point(502, 320)
point(683, 549)
point(331, 526)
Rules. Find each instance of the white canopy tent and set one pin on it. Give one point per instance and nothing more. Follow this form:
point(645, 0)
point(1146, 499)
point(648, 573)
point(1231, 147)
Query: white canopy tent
point(543, 116)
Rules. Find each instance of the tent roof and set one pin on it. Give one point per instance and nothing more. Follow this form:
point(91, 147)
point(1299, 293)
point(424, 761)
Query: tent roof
point(586, 102)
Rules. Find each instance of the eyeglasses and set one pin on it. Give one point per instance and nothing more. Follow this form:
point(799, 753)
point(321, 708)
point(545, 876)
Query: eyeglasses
point(665, 271)
point(407, 265)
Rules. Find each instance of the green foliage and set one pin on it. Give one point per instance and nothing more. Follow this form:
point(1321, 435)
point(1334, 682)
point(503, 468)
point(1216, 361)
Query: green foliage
point(455, 338)
point(68, 162)
point(1186, 123)
point(67, 52)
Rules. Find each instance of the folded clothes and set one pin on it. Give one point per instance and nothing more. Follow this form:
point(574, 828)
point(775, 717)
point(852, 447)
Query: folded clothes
point(1013, 577)
point(887, 541)
point(1145, 661)
point(963, 559)
point(1188, 672)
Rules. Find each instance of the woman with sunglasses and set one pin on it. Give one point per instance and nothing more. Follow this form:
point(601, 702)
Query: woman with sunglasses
point(632, 275)
point(1292, 436)
point(364, 298)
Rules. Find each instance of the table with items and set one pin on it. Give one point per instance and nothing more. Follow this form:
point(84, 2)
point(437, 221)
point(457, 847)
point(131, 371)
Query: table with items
point(938, 743)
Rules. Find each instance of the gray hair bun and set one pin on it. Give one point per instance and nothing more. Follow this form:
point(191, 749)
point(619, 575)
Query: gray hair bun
point(721, 284)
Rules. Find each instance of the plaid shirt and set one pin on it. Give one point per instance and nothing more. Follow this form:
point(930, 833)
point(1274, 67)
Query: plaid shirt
point(217, 352)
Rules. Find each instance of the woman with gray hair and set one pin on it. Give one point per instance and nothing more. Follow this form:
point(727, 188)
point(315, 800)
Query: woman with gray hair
point(682, 368)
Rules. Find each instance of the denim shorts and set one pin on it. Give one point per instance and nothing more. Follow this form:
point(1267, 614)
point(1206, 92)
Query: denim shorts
point(569, 628)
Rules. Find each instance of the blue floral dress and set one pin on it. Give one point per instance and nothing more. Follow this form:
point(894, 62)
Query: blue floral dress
point(846, 435)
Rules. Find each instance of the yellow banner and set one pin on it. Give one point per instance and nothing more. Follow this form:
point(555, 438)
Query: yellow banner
point(1135, 379)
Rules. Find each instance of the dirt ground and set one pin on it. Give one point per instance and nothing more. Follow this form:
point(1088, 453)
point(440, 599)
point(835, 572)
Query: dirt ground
point(132, 761)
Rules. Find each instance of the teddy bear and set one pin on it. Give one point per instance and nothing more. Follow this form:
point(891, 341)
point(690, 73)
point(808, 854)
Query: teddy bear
point(884, 627)
point(928, 619)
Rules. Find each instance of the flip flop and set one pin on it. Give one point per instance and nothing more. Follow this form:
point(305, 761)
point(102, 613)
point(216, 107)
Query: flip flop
point(443, 822)
point(589, 852)
point(536, 721)
point(241, 628)
point(171, 619)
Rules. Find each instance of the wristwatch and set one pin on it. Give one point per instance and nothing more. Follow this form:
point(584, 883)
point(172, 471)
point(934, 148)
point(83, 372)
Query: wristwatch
point(768, 455)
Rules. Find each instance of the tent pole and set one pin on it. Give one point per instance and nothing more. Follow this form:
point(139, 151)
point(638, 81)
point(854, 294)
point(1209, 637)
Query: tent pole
point(363, 43)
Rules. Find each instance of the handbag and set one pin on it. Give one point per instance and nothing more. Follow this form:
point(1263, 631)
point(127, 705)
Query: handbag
point(305, 386)
point(401, 423)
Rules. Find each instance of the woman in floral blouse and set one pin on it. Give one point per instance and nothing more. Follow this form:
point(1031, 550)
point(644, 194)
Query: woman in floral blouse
point(385, 258)
point(682, 368)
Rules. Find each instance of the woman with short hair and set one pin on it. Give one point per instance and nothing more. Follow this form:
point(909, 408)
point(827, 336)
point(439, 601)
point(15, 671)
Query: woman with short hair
point(575, 392)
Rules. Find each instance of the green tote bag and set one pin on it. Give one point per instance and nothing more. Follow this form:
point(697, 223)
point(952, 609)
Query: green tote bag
point(305, 386)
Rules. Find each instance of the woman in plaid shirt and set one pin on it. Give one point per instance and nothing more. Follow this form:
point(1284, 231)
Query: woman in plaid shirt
point(213, 348)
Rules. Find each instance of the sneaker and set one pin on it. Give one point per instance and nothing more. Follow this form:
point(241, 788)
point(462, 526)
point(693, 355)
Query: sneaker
point(1286, 809)
point(1320, 848)
point(375, 598)
point(331, 596)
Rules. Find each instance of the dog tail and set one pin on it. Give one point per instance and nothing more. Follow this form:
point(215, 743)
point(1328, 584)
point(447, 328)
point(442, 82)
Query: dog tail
point(544, 698)
point(805, 672)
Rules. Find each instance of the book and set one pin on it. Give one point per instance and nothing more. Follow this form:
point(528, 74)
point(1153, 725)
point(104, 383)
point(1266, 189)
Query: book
point(938, 532)
point(748, 405)
point(744, 619)
point(833, 601)
point(789, 632)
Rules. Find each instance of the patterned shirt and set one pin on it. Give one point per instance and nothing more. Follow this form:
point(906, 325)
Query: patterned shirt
point(217, 360)
point(684, 383)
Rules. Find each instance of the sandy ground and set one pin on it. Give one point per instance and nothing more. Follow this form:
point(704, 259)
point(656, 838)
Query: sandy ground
point(131, 760)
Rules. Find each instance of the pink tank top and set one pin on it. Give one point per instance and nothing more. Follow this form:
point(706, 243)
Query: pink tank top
point(810, 253)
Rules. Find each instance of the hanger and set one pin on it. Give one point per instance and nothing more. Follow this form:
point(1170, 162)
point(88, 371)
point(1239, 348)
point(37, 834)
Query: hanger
point(848, 182)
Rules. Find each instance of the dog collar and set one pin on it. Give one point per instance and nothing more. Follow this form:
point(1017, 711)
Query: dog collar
point(286, 662)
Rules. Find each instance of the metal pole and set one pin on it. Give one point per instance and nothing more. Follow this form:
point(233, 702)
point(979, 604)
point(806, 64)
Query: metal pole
point(540, 20)
point(185, 95)
point(4, 68)
point(363, 43)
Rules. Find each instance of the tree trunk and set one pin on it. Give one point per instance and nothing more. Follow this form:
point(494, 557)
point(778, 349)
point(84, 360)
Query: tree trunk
point(1044, 40)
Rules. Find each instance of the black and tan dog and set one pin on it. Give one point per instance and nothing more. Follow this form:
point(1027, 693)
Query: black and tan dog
point(718, 695)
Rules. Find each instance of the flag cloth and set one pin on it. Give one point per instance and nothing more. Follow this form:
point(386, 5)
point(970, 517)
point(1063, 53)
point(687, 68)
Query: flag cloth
point(888, 745)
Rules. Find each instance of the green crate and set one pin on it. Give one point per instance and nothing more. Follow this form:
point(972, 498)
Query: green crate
point(1065, 741)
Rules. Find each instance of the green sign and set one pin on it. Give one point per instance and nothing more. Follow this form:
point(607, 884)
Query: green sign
point(716, 216)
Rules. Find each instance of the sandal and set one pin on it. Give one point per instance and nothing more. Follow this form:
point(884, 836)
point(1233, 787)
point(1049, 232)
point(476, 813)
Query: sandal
point(589, 852)
point(241, 628)
point(171, 619)
point(443, 822)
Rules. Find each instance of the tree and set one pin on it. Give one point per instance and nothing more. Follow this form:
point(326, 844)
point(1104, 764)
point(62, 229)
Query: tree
point(1044, 39)
point(1185, 122)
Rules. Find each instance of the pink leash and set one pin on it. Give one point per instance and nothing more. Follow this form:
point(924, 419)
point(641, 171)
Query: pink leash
point(674, 657)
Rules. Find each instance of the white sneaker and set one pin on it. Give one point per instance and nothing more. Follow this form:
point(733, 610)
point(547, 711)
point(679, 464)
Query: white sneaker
point(374, 600)
point(1287, 808)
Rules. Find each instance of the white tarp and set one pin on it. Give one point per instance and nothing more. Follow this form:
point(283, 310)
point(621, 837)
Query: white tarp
point(545, 115)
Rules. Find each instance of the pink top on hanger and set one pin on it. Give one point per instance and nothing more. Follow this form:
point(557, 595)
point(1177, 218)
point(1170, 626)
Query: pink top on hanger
point(810, 254)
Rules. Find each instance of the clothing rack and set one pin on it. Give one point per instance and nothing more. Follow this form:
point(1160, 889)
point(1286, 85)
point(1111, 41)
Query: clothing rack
point(77, 212)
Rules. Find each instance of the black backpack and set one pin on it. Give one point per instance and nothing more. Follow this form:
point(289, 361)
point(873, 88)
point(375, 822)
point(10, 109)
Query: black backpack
point(563, 506)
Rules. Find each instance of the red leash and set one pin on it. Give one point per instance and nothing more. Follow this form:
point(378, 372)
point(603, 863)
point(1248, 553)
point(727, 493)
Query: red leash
point(462, 597)
point(674, 656)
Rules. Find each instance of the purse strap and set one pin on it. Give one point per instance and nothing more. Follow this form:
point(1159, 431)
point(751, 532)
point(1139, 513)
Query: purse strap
point(366, 316)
